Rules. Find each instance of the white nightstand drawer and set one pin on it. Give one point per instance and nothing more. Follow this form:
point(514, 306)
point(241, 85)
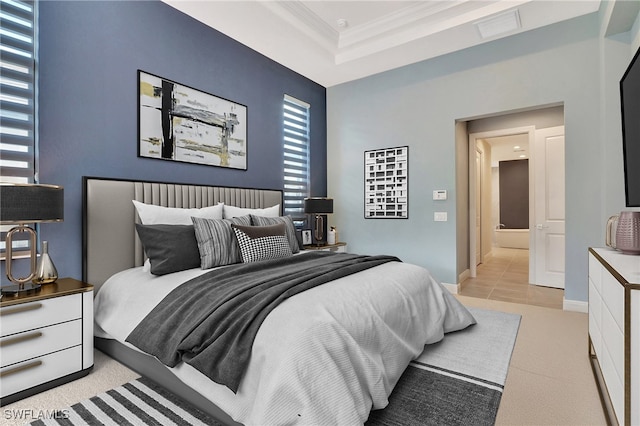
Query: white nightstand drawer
point(27, 316)
point(40, 370)
point(34, 343)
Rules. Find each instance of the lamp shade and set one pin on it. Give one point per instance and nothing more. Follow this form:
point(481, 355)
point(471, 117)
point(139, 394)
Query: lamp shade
point(318, 205)
point(27, 203)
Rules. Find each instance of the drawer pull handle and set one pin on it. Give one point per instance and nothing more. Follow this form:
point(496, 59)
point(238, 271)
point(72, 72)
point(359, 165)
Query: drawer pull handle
point(18, 309)
point(19, 339)
point(20, 368)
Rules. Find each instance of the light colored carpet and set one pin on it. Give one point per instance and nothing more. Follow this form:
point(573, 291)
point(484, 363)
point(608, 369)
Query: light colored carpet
point(549, 381)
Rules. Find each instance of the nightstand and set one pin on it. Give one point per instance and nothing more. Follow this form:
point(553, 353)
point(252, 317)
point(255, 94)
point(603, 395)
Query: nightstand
point(337, 247)
point(46, 338)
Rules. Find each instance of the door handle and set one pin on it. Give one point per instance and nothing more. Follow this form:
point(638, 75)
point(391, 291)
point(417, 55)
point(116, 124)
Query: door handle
point(541, 226)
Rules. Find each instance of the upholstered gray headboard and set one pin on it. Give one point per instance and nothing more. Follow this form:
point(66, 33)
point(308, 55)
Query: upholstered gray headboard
point(110, 242)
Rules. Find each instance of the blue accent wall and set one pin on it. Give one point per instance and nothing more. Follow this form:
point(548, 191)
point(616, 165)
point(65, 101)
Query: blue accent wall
point(90, 52)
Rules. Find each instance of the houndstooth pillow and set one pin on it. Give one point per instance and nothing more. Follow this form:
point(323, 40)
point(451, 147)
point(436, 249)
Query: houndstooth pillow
point(262, 242)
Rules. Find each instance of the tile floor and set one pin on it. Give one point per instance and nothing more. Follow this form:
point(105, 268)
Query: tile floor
point(505, 276)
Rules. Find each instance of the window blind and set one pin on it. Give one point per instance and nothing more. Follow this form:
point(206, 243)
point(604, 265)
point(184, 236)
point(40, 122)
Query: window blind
point(17, 98)
point(17, 91)
point(296, 157)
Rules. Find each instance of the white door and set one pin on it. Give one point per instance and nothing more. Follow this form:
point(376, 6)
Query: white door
point(549, 186)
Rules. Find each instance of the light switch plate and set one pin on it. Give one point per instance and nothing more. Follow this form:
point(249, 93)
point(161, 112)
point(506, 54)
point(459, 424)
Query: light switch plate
point(440, 216)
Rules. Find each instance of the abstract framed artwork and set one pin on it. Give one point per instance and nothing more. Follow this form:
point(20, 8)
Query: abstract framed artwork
point(386, 183)
point(180, 123)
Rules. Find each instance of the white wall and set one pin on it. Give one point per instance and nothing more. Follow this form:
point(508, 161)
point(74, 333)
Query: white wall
point(419, 105)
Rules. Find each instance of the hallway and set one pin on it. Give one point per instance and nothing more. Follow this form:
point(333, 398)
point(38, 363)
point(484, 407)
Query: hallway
point(505, 277)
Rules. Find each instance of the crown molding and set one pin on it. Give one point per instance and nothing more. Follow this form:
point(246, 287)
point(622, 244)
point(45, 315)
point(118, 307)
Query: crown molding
point(405, 25)
point(400, 19)
point(422, 23)
point(295, 13)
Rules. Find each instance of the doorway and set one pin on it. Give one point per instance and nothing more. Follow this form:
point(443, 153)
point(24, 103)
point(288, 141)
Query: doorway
point(543, 235)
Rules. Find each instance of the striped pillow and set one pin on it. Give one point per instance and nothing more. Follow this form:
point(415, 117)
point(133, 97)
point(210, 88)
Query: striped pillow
point(216, 241)
point(289, 226)
point(262, 242)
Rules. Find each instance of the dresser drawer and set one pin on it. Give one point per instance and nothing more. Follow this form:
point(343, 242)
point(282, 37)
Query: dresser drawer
point(18, 377)
point(30, 344)
point(27, 316)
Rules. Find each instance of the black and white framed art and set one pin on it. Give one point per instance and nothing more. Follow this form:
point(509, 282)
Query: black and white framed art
point(386, 183)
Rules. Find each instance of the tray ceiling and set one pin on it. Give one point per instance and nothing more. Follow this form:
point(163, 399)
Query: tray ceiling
point(332, 42)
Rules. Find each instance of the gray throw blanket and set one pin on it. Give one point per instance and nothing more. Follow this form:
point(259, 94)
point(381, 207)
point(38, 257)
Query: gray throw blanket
point(210, 322)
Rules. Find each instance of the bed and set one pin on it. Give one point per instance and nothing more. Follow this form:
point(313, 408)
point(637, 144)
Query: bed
point(326, 355)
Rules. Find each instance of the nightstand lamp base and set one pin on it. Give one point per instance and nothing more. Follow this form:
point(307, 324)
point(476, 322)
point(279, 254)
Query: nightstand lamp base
point(14, 289)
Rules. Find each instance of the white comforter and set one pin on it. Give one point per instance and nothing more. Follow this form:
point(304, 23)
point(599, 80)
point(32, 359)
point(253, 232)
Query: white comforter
point(325, 356)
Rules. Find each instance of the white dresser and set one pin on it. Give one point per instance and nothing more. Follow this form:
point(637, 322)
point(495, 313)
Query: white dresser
point(46, 338)
point(614, 332)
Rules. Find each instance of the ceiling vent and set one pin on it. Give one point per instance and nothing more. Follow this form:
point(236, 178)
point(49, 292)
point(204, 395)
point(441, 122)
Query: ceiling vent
point(499, 24)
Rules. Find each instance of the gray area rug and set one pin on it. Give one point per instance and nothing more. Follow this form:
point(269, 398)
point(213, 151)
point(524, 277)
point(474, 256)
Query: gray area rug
point(458, 381)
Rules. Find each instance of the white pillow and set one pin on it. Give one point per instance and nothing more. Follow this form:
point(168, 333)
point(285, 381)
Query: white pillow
point(158, 215)
point(231, 211)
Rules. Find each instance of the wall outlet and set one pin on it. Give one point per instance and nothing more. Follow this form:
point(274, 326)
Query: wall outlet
point(440, 216)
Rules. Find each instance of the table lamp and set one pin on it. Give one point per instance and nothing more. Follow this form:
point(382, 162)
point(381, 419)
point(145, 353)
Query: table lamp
point(20, 205)
point(318, 206)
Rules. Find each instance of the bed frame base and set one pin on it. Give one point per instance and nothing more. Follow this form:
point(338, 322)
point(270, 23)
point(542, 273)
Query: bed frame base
point(153, 369)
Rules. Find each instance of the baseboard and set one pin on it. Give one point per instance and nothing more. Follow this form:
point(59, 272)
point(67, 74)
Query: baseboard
point(453, 288)
point(575, 306)
point(464, 275)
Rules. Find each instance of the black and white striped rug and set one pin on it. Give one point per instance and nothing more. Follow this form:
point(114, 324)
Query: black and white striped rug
point(139, 402)
point(458, 381)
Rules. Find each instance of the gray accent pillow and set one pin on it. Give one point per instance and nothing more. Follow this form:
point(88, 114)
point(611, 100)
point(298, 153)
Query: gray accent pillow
point(217, 243)
point(170, 248)
point(262, 242)
point(289, 226)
